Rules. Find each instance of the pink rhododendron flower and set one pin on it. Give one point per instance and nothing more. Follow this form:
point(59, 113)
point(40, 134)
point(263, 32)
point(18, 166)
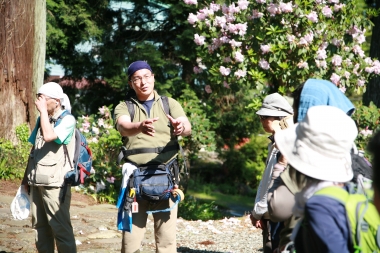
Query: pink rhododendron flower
point(197, 70)
point(264, 64)
point(199, 40)
point(327, 12)
point(257, 14)
point(220, 21)
point(101, 122)
point(240, 73)
point(309, 37)
point(342, 89)
point(192, 19)
point(286, 7)
point(376, 67)
point(359, 38)
point(272, 9)
point(360, 82)
point(190, 1)
point(355, 70)
point(201, 16)
point(242, 28)
point(239, 57)
point(290, 38)
point(338, 7)
point(366, 132)
point(335, 79)
point(336, 60)
point(358, 50)
point(94, 140)
point(368, 60)
point(243, 4)
point(261, 1)
point(353, 30)
point(208, 89)
point(226, 85)
point(321, 64)
point(303, 65)
point(110, 180)
point(102, 110)
point(321, 54)
point(235, 43)
point(312, 16)
point(95, 130)
point(214, 7)
point(336, 42)
point(224, 71)
point(347, 74)
point(348, 62)
point(233, 9)
point(265, 48)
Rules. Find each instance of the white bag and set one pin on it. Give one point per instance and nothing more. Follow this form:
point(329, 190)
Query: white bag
point(20, 205)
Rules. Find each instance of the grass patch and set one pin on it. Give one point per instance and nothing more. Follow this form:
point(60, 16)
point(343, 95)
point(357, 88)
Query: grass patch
point(237, 203)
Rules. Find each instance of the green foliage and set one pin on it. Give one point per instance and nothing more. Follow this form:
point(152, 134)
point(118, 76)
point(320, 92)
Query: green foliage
point(281, 44)
point(192, 209)
point(246, 164)
point(367, 119)
point(105, 142)
point(13, 157)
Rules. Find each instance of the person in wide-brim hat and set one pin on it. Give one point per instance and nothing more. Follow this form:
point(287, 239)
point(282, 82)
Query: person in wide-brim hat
point(319, 148)
point(275, 108)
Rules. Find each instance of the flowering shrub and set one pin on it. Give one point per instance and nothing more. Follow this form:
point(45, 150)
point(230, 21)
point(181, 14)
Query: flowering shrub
point(282, 43)
point(105, 142)
point(367, 119)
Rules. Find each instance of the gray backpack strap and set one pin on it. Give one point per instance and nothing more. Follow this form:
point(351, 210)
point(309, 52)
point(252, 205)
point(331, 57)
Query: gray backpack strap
point(165, 104)
point(131, 108)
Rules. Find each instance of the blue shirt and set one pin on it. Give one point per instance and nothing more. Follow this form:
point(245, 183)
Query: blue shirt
point(325, 228)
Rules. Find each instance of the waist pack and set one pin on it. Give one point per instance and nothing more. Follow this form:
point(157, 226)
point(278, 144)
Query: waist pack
point(155, 182)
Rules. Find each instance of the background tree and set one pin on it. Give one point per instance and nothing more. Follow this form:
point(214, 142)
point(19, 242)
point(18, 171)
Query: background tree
point(373, 91)
point(22, 61)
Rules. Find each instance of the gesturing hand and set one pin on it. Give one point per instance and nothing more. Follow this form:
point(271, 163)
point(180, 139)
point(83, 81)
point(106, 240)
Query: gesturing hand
point(147, 126)
point(179, 126)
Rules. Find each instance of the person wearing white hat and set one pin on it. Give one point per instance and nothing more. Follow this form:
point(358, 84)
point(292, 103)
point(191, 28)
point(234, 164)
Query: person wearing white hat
point(319, 148)
point(274, 108)
point(47, 166)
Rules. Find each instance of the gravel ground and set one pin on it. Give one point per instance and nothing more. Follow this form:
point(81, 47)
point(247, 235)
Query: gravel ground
point(95, 230)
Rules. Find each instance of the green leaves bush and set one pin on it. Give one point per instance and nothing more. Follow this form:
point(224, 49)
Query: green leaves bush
point(13, 157)
point(367, 119)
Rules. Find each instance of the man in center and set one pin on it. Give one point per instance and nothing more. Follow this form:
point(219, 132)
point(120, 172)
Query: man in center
point(150, 127)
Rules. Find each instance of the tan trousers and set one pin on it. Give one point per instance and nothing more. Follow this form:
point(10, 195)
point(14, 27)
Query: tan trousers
point(51, 219)
point(164, 228)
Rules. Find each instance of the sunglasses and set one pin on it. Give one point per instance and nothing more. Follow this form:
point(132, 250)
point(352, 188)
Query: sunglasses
point(264, 117)
point(46, 98)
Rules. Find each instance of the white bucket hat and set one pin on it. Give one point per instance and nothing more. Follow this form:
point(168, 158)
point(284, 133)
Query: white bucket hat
point(54, 90)
point(320, 145)
point(275, 105)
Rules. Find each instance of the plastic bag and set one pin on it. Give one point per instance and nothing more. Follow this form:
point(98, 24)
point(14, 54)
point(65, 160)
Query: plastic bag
point(20, 205)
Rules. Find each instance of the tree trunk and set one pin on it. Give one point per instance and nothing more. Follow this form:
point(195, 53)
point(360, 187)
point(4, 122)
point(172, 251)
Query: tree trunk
point(373, 88)
point(22, 60)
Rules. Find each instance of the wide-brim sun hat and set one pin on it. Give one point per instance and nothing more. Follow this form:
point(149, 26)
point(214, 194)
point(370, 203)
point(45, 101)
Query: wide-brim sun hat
point(320, 145)
point(275, 105)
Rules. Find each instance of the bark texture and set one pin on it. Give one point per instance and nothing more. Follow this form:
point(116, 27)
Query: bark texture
point(19, 71)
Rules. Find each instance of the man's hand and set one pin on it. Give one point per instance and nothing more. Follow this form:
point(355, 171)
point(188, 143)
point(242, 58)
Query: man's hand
point(256, 223)
point(41, 104)
point(178, 125)
point(147, 127)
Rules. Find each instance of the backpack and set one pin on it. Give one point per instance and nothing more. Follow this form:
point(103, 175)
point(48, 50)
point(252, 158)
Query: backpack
point(82, 160)
point(153, 182)
point(362, 216)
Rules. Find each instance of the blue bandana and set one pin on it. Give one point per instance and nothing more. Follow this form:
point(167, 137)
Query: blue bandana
point(136, 66)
